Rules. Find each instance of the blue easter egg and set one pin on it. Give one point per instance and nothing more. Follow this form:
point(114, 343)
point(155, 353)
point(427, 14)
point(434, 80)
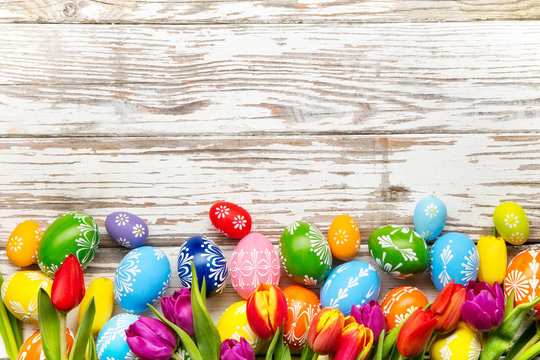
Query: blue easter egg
point(141, 278)
point(429, 217)
point(453, 257)
point(209, 261)
point(351, 283)
point(111, 342)
point(126, 229)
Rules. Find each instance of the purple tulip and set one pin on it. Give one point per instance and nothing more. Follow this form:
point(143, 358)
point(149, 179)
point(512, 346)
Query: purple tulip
point(150, 339)
point(483, 309)
point(371, 316)
point(236, 350)
point(177, 309)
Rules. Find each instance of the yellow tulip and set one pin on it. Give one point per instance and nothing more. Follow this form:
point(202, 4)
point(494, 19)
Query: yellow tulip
point(101, 289)
point(493, 259)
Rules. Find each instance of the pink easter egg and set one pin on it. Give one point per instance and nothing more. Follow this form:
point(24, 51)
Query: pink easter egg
point(254, 261)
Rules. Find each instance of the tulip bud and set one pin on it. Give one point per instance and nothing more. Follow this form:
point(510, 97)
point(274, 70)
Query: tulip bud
point(415, 333)
point(483, 309)
point(371, 316)
point(325, 331)
point(447, 306)
point(150, 339)
point(493, 259)
point(355, 339)
point(177, 309)
point(236, 350)
point(101, 289)
point(68, 285)
point(266, 310)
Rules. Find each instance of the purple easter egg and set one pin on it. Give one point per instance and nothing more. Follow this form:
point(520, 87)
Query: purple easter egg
point(127, 229)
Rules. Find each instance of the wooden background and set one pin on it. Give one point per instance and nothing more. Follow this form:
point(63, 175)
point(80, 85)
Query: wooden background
point(294, 109)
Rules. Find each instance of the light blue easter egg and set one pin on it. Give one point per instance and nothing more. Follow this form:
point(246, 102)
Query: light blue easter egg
point(141, 278)
point(351, 283)
point(111, 342)
point(429, 217)
point(453, 257)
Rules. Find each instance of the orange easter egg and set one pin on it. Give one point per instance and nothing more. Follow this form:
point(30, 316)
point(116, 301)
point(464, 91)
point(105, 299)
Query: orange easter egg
point(344, 238)
point(523, 276)
point(303, 305)
point(32, 348)
point(400, 303)
point(23, 243)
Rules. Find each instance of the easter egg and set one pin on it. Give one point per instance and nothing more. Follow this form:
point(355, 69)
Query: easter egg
point(399, 251)
point(74, 233)
point(32, 349)
point(254, 261)
point(22, 244)
point(344, 238)
point(233, 324)
point(429, 217)
point(20, 294)
point(511, 223)
point(305, 253)
point(126, 229)
point(401, 302)
point(453, 257)
point(111, 342)
point(523, 276)
point(141, 278)
point(232, 220)
point(460, 344)
point(352, 283)
point(209, 261)
point(302, 306)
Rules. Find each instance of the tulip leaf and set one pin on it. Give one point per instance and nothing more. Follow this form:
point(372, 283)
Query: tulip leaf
point(15, 328)
point(525, 340)
point(9, 329)
point(390, 340)
point(379, 351)
point(307, 353)
point(81, 339)
point(49, 326)
point(91, 349)
point(531, 352)
point(509, 304)
point(273, 345)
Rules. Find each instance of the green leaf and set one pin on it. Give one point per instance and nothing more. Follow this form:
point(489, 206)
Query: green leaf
point(390, 340)
point(286, 355)
point(91, 349)
point(307, 353)
point(509, 304)
point(379, 351)
point(280, 346)
point(49, 326)
point(15, 328)
point(525, 340)
point(531, 352)
point(9, 329)
point(83, 333)
point(273, 344)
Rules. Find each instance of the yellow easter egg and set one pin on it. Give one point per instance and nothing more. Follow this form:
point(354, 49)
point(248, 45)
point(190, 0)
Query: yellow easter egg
point(344, 238)
point(233, 324)
point(460, 344)
point(23, 242)
point(20, 294)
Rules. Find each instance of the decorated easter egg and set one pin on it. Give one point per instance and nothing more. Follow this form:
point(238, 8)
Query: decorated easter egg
point(126, 229)
point(233, 324)
point(453, 257)
point(511, 223)
point(74, 233)
point(523, 276)
point(209, 261)
point(429, 217)
point(399, 251)
point(302, 306)
point(352, 283)
point(305, 253)
point(254, 261)
point(141, 278)
point(344, 238)
point(20, 294)
point(232, 220)
point(111, 342)
point(32, 349)
point(460, 344)
point(400, 303)
point(23, 242)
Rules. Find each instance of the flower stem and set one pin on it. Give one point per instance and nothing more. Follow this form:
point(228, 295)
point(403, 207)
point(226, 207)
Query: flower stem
point(525, 347)
point(63, 343)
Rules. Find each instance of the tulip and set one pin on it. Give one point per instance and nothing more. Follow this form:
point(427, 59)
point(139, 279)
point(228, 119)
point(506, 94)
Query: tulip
point(447, 306)
point(355, 339)
point(266, 310)
point(101, 289)
point(68, 286)
point(177, 309)
point(493, 259)
point(325, 331)
point(371, 316)
point(415, 333)
point(236, 350)
point(483, 309)
point(150, 339)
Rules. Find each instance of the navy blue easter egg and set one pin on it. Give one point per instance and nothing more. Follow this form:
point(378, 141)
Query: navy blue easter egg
point(453, 257)
point(127, 229)
point(141, 278)
point(209, 261)
point(429, 217)
point(351, 283)
point(111, 342)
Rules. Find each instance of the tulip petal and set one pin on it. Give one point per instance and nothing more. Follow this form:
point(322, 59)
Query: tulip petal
point(474, 316)
point(147, 350)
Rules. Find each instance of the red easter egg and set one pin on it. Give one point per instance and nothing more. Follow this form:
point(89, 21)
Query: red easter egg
point(232, 220)
point(400, 303)
point(33, 350)
point(303, 305)
point(523, 276)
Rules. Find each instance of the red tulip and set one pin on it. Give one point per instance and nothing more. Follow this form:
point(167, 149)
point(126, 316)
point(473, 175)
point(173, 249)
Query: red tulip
point(447, 306)
point(325, 331)
point(354, 340)
point(266, 310)
point(68, 286)
point(415, 333)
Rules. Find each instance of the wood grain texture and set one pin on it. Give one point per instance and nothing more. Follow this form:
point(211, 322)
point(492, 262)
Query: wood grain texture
point(250, 11)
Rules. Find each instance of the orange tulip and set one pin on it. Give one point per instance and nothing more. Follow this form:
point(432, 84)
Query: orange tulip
point(266, 310)
point(325, 331)
point(415, 333)
point(447, 306)
point(355, 340)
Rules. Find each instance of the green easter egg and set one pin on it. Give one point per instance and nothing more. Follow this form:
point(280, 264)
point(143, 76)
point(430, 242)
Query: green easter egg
point(74, 233)
point(511, 223)
point(305, 253)
point(399, 251)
